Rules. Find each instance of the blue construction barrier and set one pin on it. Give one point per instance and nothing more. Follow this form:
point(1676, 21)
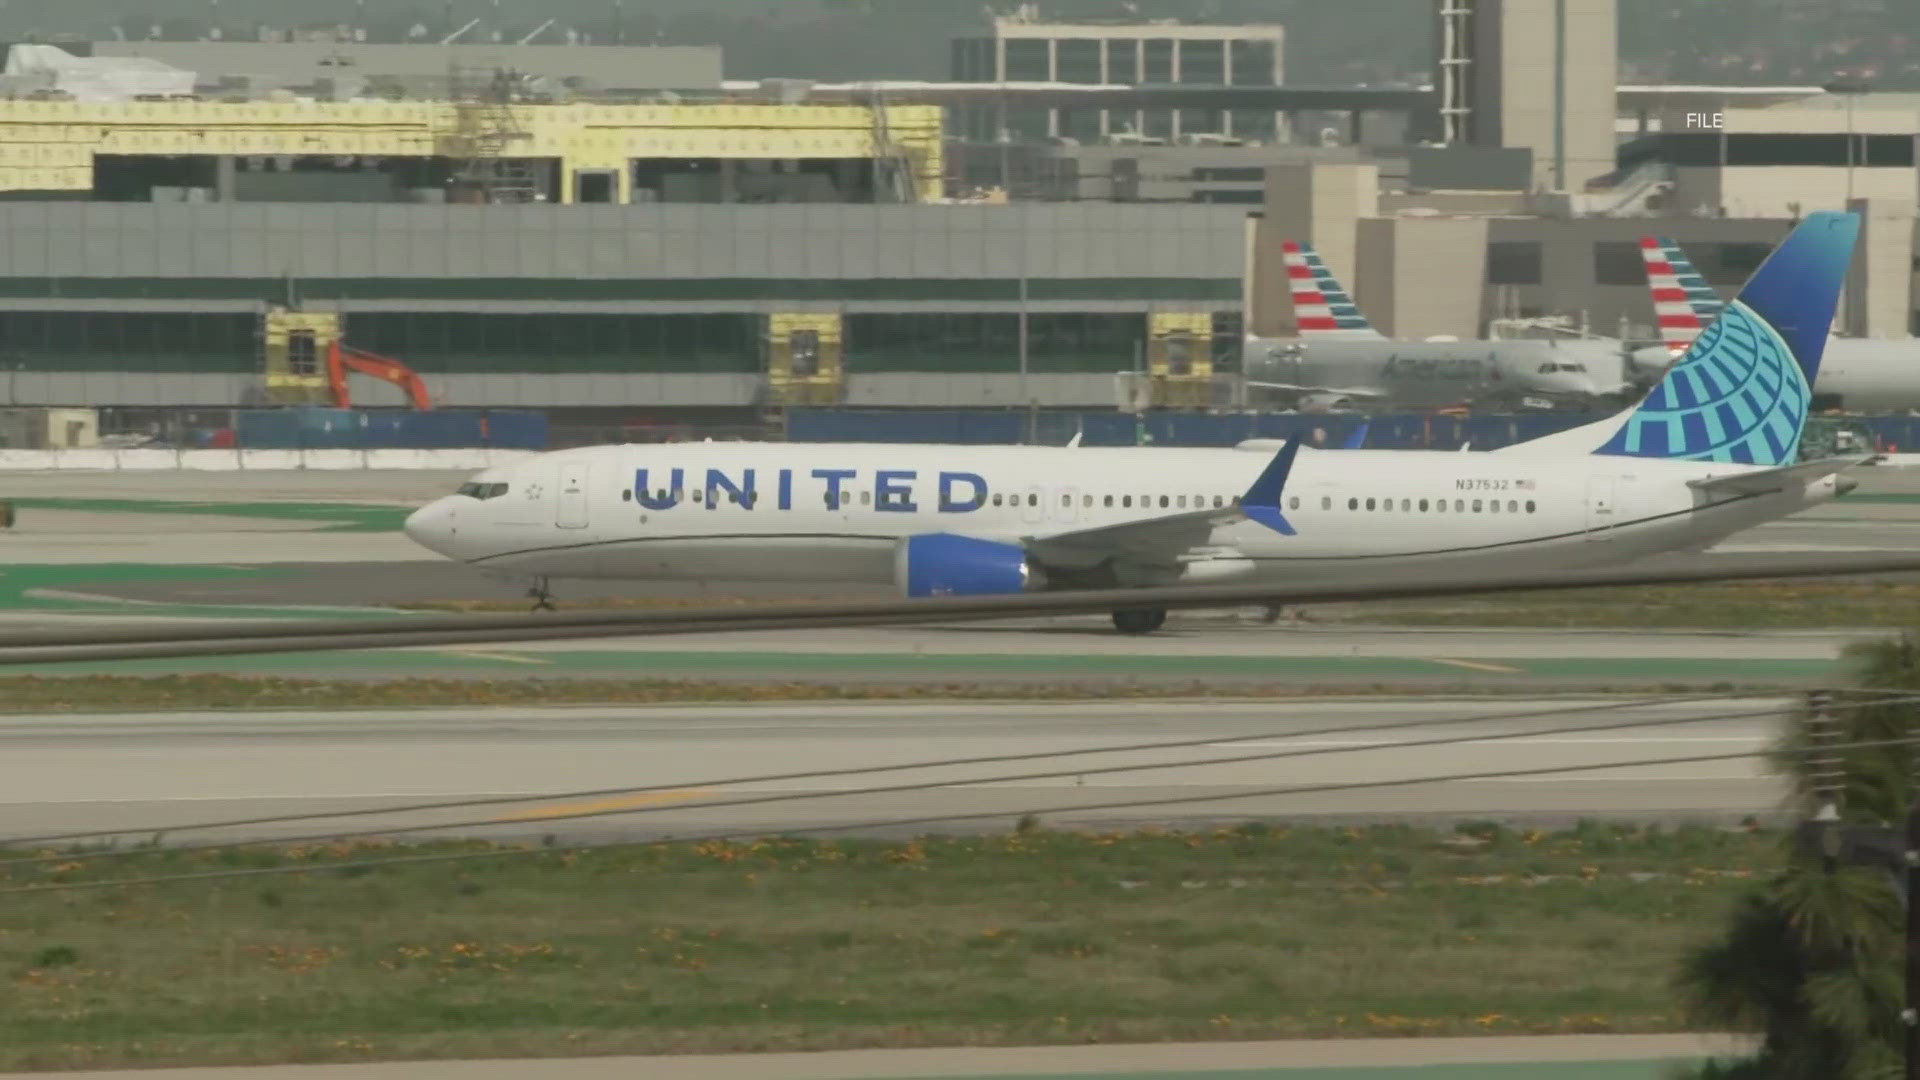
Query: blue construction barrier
point(369, 429)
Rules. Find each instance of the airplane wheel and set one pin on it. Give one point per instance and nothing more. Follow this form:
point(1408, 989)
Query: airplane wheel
point(1139, 620)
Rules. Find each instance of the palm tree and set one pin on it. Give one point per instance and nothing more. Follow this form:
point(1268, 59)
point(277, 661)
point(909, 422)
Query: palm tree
point(1811, 961)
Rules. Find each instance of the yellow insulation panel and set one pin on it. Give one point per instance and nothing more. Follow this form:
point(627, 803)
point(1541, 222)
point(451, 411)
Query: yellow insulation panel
point(50, 145)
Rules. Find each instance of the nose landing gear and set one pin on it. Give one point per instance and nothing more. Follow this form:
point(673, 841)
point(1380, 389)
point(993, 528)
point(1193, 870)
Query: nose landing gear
point(1139, 620)
point(541, 595)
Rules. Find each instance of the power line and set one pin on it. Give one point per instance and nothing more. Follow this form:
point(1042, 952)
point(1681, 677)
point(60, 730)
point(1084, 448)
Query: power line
point(864, 770)
point(932, 819)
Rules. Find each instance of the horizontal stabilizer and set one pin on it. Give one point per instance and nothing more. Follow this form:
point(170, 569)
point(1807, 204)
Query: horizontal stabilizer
point(1767, 481)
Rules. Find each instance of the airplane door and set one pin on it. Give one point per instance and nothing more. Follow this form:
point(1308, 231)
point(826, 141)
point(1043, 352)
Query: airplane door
point(570, 509)
point(1033, 509)
point(1601, 493)
point(1066, 504)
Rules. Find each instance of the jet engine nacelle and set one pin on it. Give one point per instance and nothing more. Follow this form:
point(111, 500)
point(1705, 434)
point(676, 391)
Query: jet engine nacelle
point(945, 564)
point(1325, 403)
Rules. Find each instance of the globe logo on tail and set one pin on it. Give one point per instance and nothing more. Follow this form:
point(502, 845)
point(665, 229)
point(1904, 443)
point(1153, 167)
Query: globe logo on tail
point(1738, 396)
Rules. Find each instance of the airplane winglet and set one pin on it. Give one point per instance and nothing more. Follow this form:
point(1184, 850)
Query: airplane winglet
point(1261, 503)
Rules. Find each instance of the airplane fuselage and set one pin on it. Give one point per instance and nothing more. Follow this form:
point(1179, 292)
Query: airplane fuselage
point(1432, 373)
point(839, 512)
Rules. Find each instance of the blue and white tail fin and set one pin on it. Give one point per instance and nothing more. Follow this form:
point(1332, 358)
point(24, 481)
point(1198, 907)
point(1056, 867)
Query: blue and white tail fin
point(1683, 302)
point(1321, 306)
point(1741, 391)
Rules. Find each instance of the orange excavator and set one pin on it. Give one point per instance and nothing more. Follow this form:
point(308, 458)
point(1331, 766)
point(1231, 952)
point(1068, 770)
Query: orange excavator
point(342, 359)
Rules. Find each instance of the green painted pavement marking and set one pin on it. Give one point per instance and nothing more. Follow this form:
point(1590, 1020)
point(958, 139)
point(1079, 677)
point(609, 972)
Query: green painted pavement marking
point(37, 587)
point(332, 517)
point(1523, 1070)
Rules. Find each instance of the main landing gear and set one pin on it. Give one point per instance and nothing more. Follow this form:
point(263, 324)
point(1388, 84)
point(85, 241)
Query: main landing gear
point(1139, 620)
point(541, 595)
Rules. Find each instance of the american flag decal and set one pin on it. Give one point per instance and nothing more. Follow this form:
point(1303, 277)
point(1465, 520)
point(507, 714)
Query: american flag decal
point(1523, 485)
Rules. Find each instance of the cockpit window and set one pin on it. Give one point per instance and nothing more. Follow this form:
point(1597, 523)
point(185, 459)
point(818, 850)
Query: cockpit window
point(482, 491)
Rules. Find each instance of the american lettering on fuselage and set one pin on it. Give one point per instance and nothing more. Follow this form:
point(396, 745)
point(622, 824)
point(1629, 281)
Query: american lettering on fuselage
point(1438, 367)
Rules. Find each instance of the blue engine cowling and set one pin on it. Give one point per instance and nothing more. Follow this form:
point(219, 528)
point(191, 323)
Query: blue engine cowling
point(944, 564)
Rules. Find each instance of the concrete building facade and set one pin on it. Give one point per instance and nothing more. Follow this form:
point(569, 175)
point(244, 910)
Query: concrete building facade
point(1020, 48)
point(573, 306)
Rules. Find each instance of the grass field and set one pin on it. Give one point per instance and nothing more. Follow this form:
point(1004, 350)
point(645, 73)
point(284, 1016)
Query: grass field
point(1029, 937)
point(1740, 605)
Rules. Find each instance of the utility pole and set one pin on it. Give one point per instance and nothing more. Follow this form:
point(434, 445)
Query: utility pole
point(1893, 849)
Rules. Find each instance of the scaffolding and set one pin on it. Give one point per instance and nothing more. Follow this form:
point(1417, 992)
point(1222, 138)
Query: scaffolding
point(487, 145)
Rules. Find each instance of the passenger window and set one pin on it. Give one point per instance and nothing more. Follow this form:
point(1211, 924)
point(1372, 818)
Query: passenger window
point(1441, 506)
point(1292, 504)
point(1459, 506)
point(996, 500)
point(1126, 502)
point(696, 496)
point(1086, 501)
point(627, 495)
point(1164, 500)
point(1406, 505)
point(1183, 502)
point(1476, 506)
point(1493, 507)
point(866, 497)
point(1353, 504)
point(1423, 506)
point(1529, 506)
point(1033, 499)
point(1512, 507)
point(1109, 501)
point(1326, 502)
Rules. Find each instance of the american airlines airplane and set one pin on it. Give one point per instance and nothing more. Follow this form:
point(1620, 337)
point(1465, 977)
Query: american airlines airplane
point(1340, 361)
point(1858, 374)
point(1711, 451)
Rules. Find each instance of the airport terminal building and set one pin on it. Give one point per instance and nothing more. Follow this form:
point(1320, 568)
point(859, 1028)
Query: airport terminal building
point(526, 238)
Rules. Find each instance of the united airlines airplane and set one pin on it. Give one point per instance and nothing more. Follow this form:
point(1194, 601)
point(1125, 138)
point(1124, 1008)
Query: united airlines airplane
point(1711, 451)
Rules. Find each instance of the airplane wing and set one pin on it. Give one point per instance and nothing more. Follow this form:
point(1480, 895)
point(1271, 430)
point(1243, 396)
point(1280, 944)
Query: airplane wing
point(1353, 391)
point(1763, 481)
point(1162, 540)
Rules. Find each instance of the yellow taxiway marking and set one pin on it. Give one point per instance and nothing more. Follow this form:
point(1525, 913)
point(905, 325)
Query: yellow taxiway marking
point(621, 802)
point(483, 654)
point(1475, 665)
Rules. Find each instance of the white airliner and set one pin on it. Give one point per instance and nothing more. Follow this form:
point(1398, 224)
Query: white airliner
point(1858, 374)
point(1339, 361)
point(1713, 450)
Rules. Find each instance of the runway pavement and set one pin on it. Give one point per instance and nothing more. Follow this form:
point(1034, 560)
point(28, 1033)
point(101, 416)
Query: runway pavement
point(146, 774)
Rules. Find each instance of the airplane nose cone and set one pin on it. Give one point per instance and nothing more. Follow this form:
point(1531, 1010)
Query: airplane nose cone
point(432, 526)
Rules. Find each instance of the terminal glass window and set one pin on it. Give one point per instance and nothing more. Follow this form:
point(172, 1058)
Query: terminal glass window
point(1061, 341)
point(1735, 263)
point(130, 341)
point(1123, 61)
point(1203, 63)
point(1252, 63)
point(1158, 61)
point(1618, 262)
point(487, 343)
point(1078, 60)
point(932, 341)
point(1028, 60)
point(1513, 263)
